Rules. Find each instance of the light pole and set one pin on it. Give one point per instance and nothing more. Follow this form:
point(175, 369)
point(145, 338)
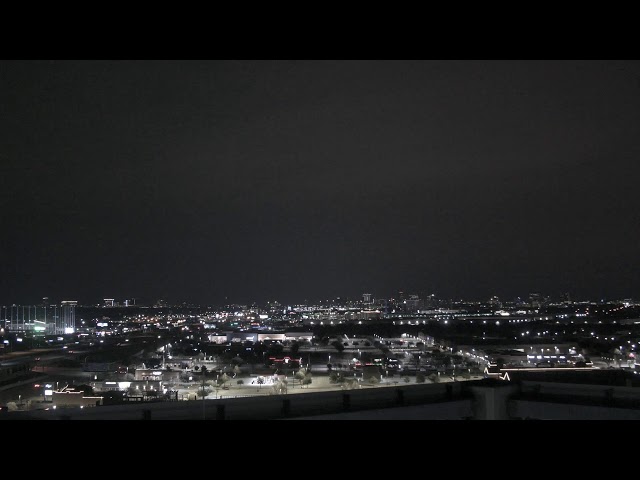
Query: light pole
point(204, 371)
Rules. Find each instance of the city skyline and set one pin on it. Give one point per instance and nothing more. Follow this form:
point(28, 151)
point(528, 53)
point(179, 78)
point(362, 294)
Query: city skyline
point(201, 181)
point(363, 299)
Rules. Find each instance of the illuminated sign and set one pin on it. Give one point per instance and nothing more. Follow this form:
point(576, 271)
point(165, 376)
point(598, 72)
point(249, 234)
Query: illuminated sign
point(68, 330)
point(48, 393)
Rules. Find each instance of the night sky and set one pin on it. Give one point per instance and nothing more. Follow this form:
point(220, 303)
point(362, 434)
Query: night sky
point(239, 181)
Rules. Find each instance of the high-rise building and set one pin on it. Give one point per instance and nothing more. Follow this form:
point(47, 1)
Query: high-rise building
point(495, 301)
point(366, 298)
point(109, 302)
point(432, 300)
point(535, 299)
point(66, 323)
point(413, 303)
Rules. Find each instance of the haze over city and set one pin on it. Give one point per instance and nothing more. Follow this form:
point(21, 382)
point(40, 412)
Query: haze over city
point(248, 181)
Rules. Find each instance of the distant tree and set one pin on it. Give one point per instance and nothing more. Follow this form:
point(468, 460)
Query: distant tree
point(196, 368)
point(373, 380)
point(300, 374)
point(275, 349)
point(236, 370)
point(260, 381)
point(333, 377)
point(112, 397)
point(420, 378)
point(307, 379)
point(240, 382)
point(405, 379)
point(349, 382)
point(337, 345)
point(295, 347)
point(222, 379)
point(259, 349)
point(87, 390)
point(203, 392)
point(133, 391)
point(280, 387)
point(237, 361)
point(618, 356)
point(434, 378)
point(466, 374)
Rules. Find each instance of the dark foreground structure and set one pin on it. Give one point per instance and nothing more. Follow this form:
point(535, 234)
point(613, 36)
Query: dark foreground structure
point(524, 398)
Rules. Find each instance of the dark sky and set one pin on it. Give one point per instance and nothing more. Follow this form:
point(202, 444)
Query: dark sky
point(291, 180)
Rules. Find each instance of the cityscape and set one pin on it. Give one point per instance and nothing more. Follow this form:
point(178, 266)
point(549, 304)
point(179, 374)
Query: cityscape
point(237, 239)
point(70, 361)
